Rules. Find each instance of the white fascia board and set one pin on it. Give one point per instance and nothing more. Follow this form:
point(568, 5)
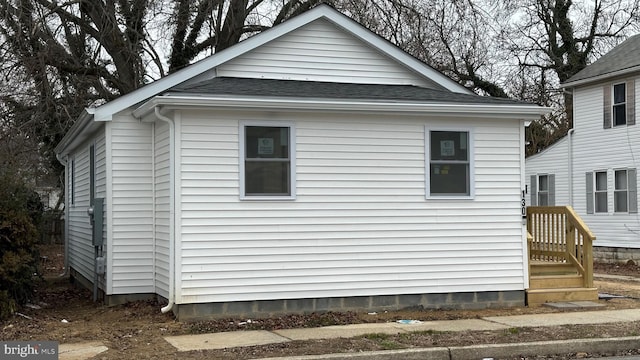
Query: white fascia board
point(602, 77)
point(495, 111)
point(81, 126)
point(106, 111)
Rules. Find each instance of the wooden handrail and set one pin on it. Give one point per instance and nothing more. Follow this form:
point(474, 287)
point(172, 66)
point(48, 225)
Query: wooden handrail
point(559, 235)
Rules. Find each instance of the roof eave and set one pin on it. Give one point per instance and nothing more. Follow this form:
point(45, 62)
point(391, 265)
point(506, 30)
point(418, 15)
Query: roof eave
point(502, 111)
point(601, 77)
point(83, 125)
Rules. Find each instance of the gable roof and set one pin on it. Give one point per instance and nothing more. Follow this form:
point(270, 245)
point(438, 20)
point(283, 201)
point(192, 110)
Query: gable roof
point(228, 86)
point(322, 11)
point(622, 59)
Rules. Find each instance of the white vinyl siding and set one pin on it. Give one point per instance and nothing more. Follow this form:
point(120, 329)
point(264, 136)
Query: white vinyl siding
point(552, 162)
point(360, 224)
point(162, 210)
point(81, 251)
point(132, 263)
point(608, 150)
point(320, 51)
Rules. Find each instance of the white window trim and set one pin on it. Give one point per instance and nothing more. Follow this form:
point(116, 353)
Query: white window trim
point(71, 187)
point(427, 138)
point(292, 159)
point(538, 189)
point(626, 174)
point(595, 191)
point(614, 104)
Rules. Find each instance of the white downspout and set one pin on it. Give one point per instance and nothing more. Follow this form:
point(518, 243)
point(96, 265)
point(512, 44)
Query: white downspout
point(570, 157)
point(65, 163)
point(172, 212)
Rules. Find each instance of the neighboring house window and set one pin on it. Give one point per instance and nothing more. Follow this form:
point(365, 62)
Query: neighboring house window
point(267, 164)
point(625, 193)
point(449, 163)
point(543, 190)
point(72, 180)
point(596, 184)
point(601, 192)
point(619, 104)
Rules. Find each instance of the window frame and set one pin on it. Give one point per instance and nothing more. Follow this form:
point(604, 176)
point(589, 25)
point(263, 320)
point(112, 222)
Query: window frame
point(292, 160)
point(596, 191)
point(469, 162)
point(72, 181)
point(616, 190)
point(622, 104)
point(545, 192)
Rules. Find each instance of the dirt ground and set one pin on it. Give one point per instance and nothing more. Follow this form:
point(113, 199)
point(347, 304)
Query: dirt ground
point(66, 314)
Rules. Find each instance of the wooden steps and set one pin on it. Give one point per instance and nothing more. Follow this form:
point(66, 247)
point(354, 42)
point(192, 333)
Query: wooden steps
point(557, 282)
point(541, 296)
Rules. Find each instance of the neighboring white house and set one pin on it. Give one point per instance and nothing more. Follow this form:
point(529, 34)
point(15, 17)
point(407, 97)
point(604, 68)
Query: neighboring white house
point(595, 166)
point(312, 167)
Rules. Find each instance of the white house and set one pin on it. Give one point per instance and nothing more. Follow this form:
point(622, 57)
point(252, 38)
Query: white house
point(594, 168)
point(312, 167)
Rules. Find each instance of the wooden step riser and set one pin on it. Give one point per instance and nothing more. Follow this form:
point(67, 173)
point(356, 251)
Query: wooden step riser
point(559, 269)
point(541, 296)
point(555, 282)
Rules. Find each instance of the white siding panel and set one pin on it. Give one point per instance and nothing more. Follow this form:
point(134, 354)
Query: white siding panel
point(320, 51)
point(81, 249)
point(598, 149)
point(132, 190)
point(553, 160)
point(162, 218)
point(360, 224)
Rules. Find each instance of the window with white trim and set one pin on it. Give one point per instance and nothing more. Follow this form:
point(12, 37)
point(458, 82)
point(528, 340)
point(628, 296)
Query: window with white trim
point(267, 161)
point(543, 190)
point(72, 179)
point(619, 104)
point(600, 193)
point(449, 163)
point(621, 191)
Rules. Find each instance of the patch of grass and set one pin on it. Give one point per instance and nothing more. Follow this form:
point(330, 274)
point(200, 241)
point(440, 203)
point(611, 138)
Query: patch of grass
point(391, 345)
point(377, 336)
point(513, 331)
point(634, 333)
point(427, 332)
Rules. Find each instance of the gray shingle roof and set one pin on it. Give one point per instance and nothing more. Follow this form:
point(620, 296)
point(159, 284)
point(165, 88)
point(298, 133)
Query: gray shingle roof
point(625, 56)
point(227, 86)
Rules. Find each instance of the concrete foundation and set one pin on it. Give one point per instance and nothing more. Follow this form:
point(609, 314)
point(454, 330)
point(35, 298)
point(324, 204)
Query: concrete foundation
point(607, 254)
point(267, 308)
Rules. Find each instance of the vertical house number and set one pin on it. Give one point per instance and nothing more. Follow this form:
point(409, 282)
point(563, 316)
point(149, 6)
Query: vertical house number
point(524, 205)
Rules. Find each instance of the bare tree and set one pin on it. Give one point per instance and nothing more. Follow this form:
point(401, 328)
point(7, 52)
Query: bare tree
point(555, 39)
point(60, 56)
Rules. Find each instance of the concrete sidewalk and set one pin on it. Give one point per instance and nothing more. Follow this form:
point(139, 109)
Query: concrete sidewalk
point(261, 337)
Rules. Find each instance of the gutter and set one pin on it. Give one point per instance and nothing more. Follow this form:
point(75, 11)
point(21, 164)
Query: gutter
point(494, 111)
point(597, 78)
point(570, 157)
point(172, 212)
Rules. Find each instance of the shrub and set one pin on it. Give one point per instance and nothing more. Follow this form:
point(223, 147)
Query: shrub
point(20, 212)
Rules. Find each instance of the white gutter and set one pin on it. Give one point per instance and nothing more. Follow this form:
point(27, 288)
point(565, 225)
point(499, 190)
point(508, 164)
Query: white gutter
point(600, 77)
point(494, 111)
point(172, 212)
point(570, 157)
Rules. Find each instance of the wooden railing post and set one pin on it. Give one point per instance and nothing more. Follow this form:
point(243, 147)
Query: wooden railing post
point(588, 261)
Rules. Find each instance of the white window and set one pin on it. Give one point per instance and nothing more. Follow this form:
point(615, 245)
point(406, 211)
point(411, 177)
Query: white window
point(449, 163)
point(621, 191)
point(543, 190)
point(619, 104)
point(72, 179)
point(600, 193)
point(267, 161)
